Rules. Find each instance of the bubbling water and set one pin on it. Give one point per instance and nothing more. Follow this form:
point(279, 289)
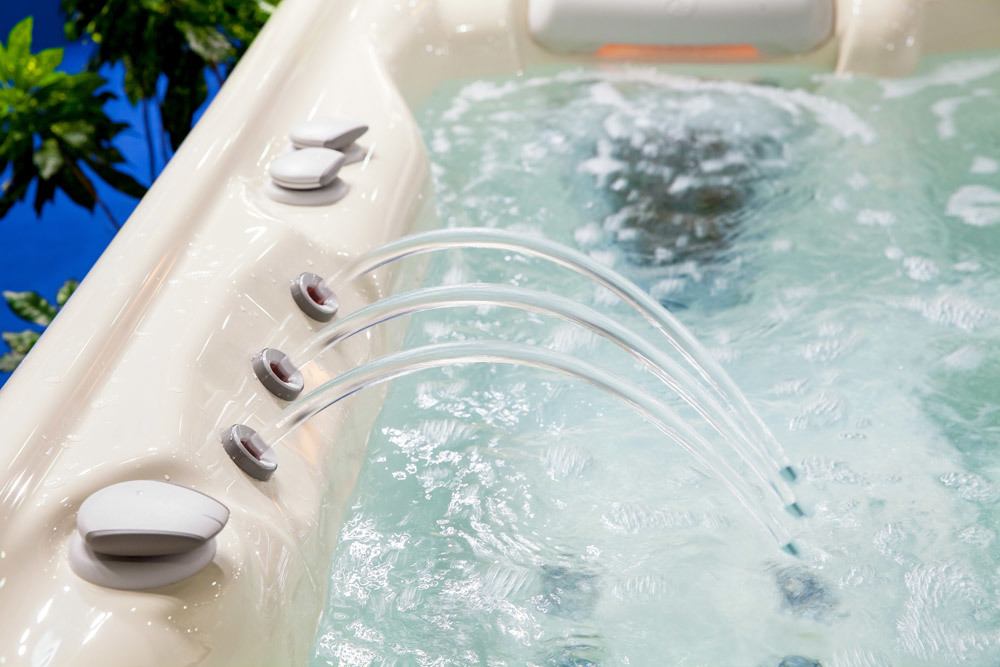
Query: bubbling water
point(834, 243)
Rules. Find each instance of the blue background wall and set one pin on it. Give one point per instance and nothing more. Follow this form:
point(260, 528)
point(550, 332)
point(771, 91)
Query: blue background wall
point(39, 254)
point(48, 20)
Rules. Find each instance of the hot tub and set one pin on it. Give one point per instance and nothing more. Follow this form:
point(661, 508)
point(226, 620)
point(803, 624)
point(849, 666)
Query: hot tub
point(150, 361)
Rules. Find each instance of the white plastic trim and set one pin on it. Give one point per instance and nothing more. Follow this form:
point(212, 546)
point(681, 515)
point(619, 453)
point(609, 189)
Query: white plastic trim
point(773, 26)
point(136, 574)
point(882, 38)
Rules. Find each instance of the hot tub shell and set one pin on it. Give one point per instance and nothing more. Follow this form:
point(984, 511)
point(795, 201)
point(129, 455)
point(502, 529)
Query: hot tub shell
point(149, 361)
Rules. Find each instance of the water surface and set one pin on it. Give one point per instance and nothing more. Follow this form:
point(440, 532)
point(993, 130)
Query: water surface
point(836, 244)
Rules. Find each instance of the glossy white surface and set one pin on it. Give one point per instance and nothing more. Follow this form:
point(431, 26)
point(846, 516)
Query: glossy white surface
point(148, 518)
point(336, 133)
point(887, 37)
point(773, 26)
point(137, 574)
point(306, 169)
point(312, 196)
point(149, 361)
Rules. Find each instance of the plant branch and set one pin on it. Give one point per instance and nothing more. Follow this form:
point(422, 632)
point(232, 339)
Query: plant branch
point(111, 216)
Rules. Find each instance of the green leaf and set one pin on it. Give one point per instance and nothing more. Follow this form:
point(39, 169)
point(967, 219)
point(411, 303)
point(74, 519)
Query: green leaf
point(186, 92)
point(21, 342)
point(30, 307)
point(156, 6)
point(48, 159)
point(78, 187)
point(141, 77)
point(119, 180)
point(207, 42)
point(66, 291)
point(53, 123)
point(45, 191)
point(49, 59)
point(74, 133)
point(10, 361)
point(15, 189)
point(171, 41)
point(19, 41)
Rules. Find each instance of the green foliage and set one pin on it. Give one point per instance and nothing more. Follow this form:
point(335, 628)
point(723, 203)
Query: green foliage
point(178, 39)
point(30, 307)
point(52, 127)
point(35, 309)
point(65, 292)
point(20, 344)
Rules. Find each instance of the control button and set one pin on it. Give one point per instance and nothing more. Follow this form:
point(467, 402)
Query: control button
point(333, 133)
point(307, 169)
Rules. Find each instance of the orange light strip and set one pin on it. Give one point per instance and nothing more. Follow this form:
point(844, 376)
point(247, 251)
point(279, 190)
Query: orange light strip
point(686, 54)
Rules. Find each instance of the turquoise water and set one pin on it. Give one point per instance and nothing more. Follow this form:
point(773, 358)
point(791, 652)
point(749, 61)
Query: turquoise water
point(836, 244)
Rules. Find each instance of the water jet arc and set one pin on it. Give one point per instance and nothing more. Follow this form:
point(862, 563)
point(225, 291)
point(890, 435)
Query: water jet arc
point(399, 364)
point(661, 365)
point(652, 311)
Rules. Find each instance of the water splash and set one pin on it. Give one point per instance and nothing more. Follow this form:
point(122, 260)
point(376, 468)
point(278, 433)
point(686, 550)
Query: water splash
point(668, 371)
point(653, 312)
point(657, 412)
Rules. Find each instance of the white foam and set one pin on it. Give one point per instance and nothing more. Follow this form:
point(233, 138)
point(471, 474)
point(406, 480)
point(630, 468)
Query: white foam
point(605, 93)
point(984, 165)
point(976, 205)
point(602, 165)
point(873, 218)
point(831, 113)
point(920, 269)
point(588, 235)
point(666, 287)
point(945, 111)
point(477, 91)
point(971, 487)
point(929, 627)
point(977, 535)
point(627, 234)
point(681, 184)
point(951, 74)
point(953, 310)
point(965, 358)
point(455, 275)
point(605, 257)
point(894, 253)
point(570, 338)
point(857, 181)
point(440, 142)
point(968, 266)
point(730, 159)
point(661, 255)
